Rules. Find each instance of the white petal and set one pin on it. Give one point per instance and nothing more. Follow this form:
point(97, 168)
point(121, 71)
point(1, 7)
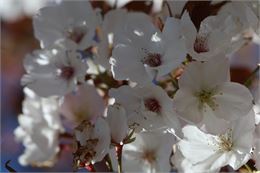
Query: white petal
point(126, 96)
point(187, 105)
point(45, 87)
point(216, 71)
point(243, 130)
point(83, 104)
point(196, 145)
point(117, 120)
point(188, 29)
point(173, 57)
point(52, 22)
point(126, 64)
point(234, 100)
point(236, 160)
point(192, 78)
point(102, 131)
point(212, 124)
point(207, 75)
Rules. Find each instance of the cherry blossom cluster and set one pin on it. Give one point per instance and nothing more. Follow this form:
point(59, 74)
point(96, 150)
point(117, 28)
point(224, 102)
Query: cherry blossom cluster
point(140, 92)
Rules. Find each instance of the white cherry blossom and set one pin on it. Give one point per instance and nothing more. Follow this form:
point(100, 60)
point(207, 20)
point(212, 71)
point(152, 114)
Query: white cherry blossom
point(54, 71)
point(146, 107)
point(222, 33)
point(72, 20)
point(150, 152)
point(39, 130)
point(211, 152)
point(92, 142)
point(83, 104)
point(143, 91)
point(145, 51)
point(206, 86)
point(219, 34)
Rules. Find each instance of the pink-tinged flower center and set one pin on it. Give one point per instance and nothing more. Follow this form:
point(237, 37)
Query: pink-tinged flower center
point(152, 105)
point(153, 59)
point(76, 34)
point(201, 44)
point(149, 156)
point(67, 72)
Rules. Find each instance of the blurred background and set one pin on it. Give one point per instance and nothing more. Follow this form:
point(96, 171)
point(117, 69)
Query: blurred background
point(17, 39)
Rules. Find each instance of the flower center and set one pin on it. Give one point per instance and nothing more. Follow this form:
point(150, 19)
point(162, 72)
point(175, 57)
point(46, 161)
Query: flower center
point(85, 124)
point(67, 72)
point(206, 97)
point(149, 156)
point(80, 115)
point(225, 141)
point(201, 44)
point(152, 105)
point(153, 59)
point(76, 34)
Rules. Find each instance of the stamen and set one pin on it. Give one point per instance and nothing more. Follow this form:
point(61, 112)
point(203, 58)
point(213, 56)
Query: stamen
point(149, 156)
point(206, 97)
point(225, 141)
point(153, 59)
point(67, 72)
point(152, 105)
point(201, 44)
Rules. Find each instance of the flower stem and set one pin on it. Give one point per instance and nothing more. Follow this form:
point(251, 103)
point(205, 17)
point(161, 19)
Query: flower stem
point(174, 82)
point(249, 80)
point(119, 149)
point(66, 135)
point(109, 163)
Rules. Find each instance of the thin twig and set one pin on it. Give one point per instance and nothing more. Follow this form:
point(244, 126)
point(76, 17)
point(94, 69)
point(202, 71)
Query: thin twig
point(119, 149)
point(249, 80)
point(109, 163)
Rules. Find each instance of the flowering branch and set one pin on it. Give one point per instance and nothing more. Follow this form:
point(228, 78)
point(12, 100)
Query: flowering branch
point(165, 74)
